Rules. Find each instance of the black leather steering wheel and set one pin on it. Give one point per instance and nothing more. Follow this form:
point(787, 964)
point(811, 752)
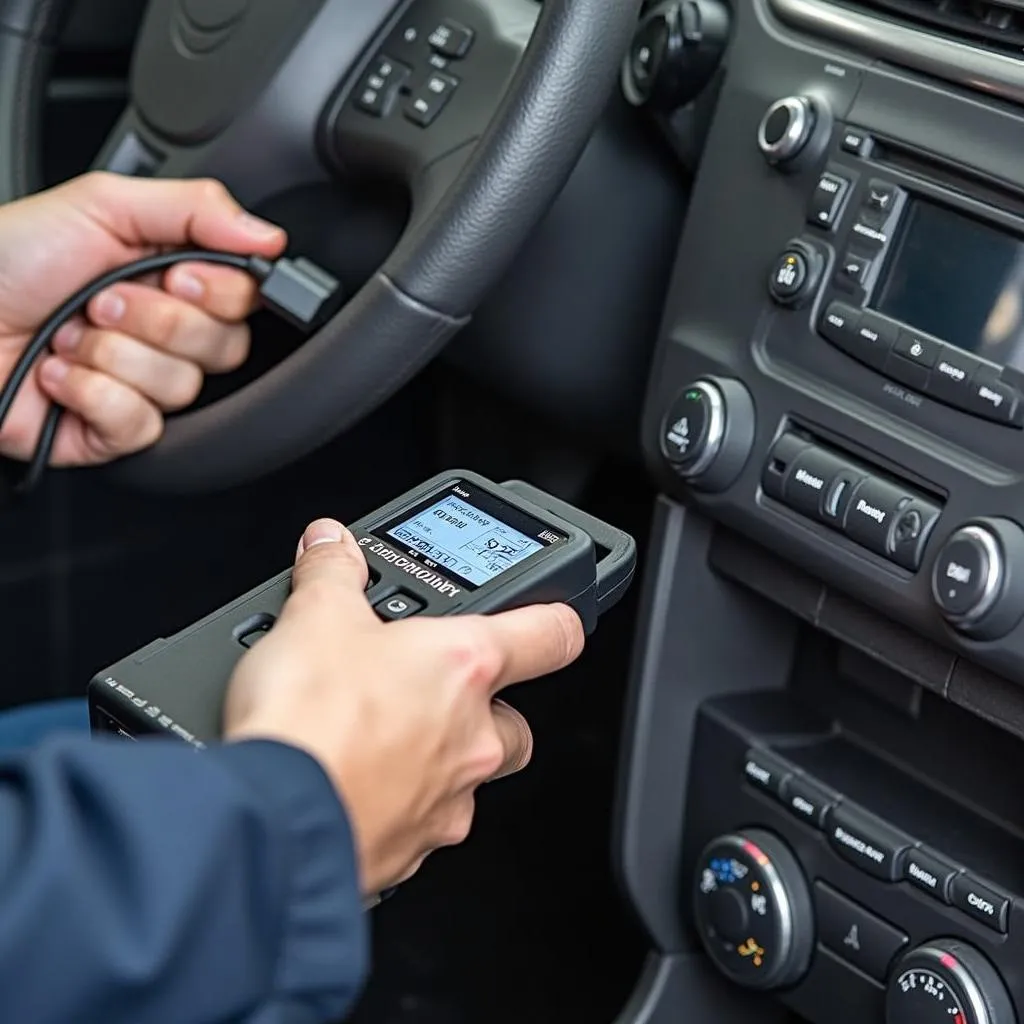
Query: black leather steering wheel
point(270, 94)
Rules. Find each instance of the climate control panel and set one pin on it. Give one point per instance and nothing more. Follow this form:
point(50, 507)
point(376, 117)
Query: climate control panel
point(797, 884)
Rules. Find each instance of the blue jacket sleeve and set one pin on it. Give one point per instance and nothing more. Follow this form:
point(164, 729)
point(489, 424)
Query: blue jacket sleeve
point(147, 883)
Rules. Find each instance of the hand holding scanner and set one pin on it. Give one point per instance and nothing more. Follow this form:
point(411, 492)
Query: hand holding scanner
point(458, 544)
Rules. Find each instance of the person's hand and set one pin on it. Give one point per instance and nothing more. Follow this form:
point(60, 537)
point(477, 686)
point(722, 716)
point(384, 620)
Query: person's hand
point(143, 348)
point(402, 716)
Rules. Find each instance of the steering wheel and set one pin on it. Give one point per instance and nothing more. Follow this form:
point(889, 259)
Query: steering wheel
point(481, 107)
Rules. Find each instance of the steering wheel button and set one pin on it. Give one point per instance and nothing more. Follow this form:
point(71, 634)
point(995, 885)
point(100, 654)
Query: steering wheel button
point(398, 606)
point(450, 39)
point(381, 84)
point(432, 97)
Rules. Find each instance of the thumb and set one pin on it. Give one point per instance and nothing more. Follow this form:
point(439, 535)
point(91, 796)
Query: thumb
point(329, 565)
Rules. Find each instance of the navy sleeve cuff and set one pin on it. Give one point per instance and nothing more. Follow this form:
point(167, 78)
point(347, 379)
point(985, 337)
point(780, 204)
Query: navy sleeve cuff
point(324, 955)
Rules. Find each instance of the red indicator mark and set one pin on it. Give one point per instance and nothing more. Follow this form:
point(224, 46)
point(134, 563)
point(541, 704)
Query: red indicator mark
point(959, 1019)
point(949, 962)
point(754, 852)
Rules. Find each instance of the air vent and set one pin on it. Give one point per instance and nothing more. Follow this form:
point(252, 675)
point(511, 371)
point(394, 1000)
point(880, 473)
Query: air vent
point(998, 27)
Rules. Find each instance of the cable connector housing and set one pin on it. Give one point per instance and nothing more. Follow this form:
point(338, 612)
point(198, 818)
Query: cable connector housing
point(298, 291)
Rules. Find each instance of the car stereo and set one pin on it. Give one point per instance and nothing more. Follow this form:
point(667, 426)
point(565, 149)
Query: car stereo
point(927, 295)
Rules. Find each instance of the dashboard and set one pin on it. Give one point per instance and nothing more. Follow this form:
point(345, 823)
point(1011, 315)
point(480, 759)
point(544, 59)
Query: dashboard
point(819, 788)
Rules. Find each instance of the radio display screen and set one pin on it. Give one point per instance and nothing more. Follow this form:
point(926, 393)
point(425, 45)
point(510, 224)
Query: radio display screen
point(470, 535)
point(960, 280)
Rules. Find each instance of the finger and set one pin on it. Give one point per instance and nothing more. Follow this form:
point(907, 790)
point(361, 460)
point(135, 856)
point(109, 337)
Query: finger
point(150, 211)
point(534, 642)
point(168, 382)
point(330, 575)
point(516, 738)
point(118, 419)
point(224, 293)
point(167, 323)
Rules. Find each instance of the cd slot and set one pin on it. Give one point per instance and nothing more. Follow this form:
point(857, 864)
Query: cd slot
point(966, 182)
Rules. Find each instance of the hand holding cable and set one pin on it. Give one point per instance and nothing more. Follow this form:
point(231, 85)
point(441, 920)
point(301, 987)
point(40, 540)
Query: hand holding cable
point(117, 376)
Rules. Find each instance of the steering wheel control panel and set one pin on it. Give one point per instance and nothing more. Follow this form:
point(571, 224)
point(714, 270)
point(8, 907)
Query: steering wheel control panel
point(430, 85)
point(459, 544)
point(845, 386)
point(797, 887)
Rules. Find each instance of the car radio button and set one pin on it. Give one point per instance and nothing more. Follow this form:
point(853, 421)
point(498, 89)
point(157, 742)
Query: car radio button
point(911, 532)
point(810, 481)
point(982, 903)
point(827, 201)
point(992, 399)
point(951, 379)
point(839, 325)
point(855, 141)
point(789, 276)
point(917, 348)
point(853, 271)
point(875, 337)
point(872, 511)
point(968, 574)
point(855, 934)
point(807, 800)
point(398, 606)
point(880, 202)
point(929, 873)
point(866, 842)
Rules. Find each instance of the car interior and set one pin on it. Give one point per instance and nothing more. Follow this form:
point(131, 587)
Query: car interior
point(695, 267)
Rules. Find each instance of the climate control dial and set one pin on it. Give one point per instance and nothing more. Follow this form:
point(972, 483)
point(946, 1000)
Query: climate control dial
point(753, 910)
point(947, 982)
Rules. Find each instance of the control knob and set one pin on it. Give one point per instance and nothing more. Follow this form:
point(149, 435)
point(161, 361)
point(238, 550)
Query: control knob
point(787, 127)
point(753, 910)
point(947, 982)
point(796, 274)
point(978, 578)
point(675, 51)
point(707, 432)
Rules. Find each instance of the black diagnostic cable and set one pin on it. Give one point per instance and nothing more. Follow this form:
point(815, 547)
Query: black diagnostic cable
point(295, 289)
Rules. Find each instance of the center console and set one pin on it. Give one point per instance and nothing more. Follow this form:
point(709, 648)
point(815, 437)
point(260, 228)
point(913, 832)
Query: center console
point(821, 800)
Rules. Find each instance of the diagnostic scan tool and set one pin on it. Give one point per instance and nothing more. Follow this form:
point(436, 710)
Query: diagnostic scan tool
point(456, 545)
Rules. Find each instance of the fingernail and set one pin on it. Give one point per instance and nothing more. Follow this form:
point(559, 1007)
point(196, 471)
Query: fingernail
point(69, 337)
point(187, 286)
point(53, 371)
point(256, 227)
point(324, 531)
point(109, 307)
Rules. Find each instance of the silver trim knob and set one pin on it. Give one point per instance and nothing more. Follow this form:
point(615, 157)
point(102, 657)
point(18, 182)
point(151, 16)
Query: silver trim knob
point(995, 569)
point(716, 431)
point(798, 131)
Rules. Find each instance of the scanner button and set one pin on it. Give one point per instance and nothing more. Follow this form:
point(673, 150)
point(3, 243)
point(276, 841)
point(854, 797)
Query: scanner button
point(398, 606)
